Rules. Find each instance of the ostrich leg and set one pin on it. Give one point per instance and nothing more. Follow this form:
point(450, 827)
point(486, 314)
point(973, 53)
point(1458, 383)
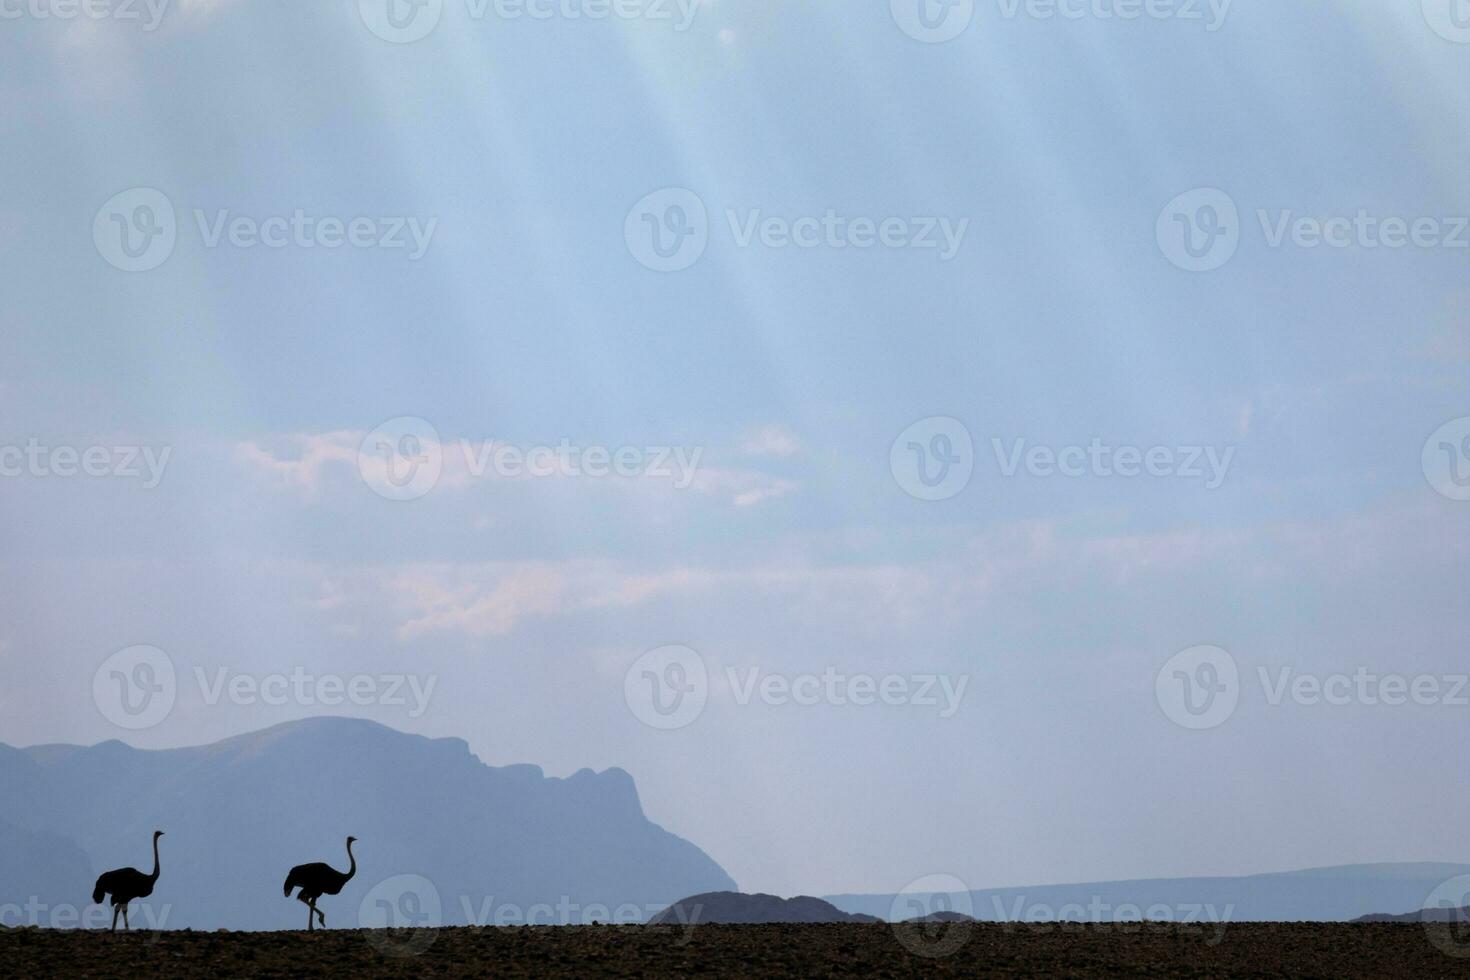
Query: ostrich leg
point(114, 919)
point(127, 926)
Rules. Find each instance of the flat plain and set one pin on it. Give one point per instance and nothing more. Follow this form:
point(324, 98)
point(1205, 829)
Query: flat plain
point(984, 950)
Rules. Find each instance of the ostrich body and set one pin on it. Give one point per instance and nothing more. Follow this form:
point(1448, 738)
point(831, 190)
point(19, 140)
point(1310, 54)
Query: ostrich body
point(126, 884)
point(318, 879)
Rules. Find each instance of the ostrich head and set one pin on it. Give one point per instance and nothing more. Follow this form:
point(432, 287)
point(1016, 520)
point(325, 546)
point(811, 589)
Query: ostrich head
point(351, 839)
point(157, 834)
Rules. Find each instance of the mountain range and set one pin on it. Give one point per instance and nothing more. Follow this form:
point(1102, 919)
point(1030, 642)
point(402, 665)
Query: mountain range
point(1336, 894)
point(442, 835)
point(434, 824)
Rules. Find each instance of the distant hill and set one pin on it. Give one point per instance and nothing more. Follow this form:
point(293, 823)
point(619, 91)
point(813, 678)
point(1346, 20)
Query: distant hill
point(735, 908)
point(939, 917)
point(1337, 894)
point(45, 869)
point(239, 813)
point(1420, 917)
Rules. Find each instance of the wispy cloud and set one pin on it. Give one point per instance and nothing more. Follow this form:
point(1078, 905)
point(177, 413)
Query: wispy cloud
point(771, 440)
point(315, 464)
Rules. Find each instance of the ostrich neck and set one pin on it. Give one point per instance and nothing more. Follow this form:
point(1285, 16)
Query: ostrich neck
point(353, 869)
point(154, 876)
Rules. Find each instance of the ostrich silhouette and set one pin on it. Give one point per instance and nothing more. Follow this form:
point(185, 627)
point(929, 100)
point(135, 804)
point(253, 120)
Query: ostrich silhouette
point(318, 879)
point(126, 884)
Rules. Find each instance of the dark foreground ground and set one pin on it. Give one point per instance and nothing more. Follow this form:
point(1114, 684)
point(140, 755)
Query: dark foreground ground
point(1246, 950)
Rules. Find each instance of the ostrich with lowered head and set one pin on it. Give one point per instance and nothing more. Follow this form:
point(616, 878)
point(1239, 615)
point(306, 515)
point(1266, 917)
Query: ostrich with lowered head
point(126, 884)
point(318, 879)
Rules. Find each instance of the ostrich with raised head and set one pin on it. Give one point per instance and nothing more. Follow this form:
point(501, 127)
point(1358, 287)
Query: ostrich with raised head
point(126, 884)
point(318, 879)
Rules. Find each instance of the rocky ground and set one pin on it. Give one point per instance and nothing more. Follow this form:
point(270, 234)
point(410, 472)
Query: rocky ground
point(1244, 950)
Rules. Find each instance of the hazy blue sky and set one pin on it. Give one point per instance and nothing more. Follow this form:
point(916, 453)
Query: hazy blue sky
point(1050, 148)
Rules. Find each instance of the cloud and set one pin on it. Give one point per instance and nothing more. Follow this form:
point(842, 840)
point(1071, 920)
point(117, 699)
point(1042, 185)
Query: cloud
point(480, 609)
point(771, 440)
point(298, 462)
point(1000, 569)
point(1247, 413)
point(744, 488)
point(313, 464)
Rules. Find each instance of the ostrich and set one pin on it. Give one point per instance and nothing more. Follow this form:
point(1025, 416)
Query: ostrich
point(126, 884)
point(316, 880)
